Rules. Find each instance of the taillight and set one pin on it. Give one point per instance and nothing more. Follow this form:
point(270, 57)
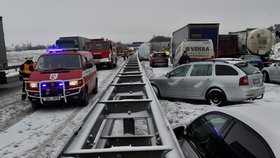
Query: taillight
point(243, 81)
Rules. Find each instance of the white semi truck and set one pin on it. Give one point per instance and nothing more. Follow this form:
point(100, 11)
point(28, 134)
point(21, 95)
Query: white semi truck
point(3, 55)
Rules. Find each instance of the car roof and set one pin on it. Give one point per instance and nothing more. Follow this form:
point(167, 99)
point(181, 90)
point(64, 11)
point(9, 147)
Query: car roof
point(264, 119)
point(231, 62)
point(68, 52)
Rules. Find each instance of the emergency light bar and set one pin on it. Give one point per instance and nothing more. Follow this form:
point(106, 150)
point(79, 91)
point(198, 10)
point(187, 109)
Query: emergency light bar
point(54, 50)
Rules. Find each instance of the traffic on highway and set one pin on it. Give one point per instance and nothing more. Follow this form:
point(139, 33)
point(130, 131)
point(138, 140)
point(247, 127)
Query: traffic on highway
point(196, 94)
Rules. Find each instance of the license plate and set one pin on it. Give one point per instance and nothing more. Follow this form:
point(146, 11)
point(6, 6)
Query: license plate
point(256, 81)
point(51, 98)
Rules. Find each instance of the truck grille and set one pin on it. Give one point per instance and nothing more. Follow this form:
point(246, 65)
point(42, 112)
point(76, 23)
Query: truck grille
point(49, 89)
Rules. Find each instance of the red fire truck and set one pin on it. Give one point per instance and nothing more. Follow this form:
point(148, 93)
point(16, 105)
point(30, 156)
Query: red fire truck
point(104, 52)
point(62, 76)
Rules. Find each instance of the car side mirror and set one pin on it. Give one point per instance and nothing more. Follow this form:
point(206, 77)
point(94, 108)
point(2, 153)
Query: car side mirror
point(89, 65)
point(179, 132)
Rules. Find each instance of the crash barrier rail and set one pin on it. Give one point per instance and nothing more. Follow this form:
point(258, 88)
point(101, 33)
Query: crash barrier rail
point(126, 122)
point(14, 67)
point(6, 79)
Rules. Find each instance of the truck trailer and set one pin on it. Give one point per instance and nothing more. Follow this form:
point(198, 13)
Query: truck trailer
point(197, 50)
point(254, 41)
point(228, 46)
point(3, 55)
point(72, 42)
point(196, 31)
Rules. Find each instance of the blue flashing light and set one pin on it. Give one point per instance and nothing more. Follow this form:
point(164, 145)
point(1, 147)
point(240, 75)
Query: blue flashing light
point(44, 85)
point(55, 50)
point(60, 84)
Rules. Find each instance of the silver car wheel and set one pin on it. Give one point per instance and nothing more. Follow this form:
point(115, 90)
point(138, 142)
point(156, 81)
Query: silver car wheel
point(216, 97)
point(156, 90)
point(265, 77)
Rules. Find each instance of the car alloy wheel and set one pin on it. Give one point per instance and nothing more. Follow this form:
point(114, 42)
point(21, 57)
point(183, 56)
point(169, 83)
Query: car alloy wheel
point(156, 91)
point(216, 97)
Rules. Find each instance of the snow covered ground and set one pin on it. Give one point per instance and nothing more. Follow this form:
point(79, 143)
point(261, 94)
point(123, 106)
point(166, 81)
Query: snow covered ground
point(26, 133)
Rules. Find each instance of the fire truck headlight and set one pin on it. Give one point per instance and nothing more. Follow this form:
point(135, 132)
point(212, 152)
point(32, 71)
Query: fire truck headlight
point(74, 83)
point(33, 85)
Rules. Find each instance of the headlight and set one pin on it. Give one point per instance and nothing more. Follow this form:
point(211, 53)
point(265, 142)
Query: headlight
point(33, 85)
point(75, 83)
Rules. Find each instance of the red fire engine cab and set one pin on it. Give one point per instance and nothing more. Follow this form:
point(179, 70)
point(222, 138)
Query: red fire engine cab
point(104, 52)
point(62, 76)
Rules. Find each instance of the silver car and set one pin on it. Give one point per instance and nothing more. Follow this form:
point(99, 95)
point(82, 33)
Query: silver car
point(232, 132)
point(214, 81)
point(272, 73)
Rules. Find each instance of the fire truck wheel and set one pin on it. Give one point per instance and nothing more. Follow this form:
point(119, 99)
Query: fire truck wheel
point(95, 90)
point(110, 65)
point(84, 100)
point(35, 105)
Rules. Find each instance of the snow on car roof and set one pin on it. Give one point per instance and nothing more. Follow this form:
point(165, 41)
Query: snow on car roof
point(263, 119)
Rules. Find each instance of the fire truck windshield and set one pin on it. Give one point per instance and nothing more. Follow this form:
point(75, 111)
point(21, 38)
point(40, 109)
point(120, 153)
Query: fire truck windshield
point(98, 46)
point(58, 62)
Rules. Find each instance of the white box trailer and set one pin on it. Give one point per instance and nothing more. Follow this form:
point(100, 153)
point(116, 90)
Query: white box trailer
point(3, 55)
point(144, 51)
point(196, 49)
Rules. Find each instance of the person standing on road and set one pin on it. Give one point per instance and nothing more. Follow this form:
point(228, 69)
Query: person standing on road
point(185, 58)
point(24, 73)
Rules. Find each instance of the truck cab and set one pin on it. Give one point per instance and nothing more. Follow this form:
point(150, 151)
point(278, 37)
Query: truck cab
point(104, 52)
point(64, 77)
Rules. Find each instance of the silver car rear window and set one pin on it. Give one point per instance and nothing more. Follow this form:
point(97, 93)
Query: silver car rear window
point(247, 68)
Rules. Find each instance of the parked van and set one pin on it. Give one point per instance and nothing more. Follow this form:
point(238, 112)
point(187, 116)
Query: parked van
point(144, 51)
point(62, 77)
point(196, 49)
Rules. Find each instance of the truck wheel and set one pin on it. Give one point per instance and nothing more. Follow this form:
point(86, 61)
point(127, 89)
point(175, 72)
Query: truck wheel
point(35, 105)
point(95, 90)
point(110, 65)
point(85, 99)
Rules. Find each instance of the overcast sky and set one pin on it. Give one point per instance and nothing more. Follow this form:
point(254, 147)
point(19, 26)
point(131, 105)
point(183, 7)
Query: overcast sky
point(43, 21)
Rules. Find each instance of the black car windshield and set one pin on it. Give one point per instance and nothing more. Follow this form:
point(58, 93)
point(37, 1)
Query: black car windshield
point(247, 68)
point(58, 62)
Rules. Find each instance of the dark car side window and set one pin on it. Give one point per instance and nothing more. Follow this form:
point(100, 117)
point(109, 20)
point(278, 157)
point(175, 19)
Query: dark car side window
point(225, 70)
point(201, 70)
point(204, 135)
point(247, 68)
point(180, 71)
point(246, 143)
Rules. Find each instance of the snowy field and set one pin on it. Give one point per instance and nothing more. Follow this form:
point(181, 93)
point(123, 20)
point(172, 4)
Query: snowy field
point(28, 133)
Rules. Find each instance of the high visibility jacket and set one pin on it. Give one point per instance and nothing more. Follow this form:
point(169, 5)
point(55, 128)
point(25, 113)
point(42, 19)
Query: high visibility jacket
point(167, 53)
point(26, 70)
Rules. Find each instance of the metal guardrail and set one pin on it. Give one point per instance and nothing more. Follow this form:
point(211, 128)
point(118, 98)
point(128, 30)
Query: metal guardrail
point(126, 122)
point(14, 67)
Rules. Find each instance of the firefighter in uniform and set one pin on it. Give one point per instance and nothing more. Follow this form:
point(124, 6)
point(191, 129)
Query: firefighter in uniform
point(25, 71)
